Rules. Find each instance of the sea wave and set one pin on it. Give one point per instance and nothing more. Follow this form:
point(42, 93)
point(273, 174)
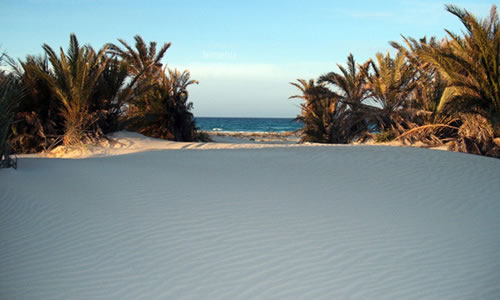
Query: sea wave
point(248, 124)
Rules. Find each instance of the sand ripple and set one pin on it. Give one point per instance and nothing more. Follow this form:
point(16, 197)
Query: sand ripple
point(278, 223)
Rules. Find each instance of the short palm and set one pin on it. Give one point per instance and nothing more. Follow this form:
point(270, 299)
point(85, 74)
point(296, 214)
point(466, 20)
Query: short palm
point(72, 80)
point(390, 85)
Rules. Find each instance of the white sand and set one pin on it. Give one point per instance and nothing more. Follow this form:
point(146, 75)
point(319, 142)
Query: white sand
point(124, 142)
point(294, 222)
point(254, 137)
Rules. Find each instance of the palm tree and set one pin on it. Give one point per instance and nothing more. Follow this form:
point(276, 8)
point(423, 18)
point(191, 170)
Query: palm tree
point(167, 110)
point(322, 113)
point(158, 96)
point(426, 123)
point(350, 83)
point(38, 122)
point(180, 119)
point(461, 77)
point(470, 64)
point(429, 83)
point(73, 79)
point(111, 95)
point(390, 85)
point(144, 65)
point(144, 70)
point(351, 90)
point(8, 98)
point(10, 95)
point(144, 59)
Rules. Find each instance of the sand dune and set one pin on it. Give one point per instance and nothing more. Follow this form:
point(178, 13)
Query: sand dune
point(294, 222)
point(125, 142)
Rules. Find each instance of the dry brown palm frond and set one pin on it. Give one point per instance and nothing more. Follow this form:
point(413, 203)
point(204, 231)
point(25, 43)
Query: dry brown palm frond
point(476, 127)
point(437, 130)
point(427, 134)
point(475, 136)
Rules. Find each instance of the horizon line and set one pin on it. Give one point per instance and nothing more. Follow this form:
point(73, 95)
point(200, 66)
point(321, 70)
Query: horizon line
point(246, 117)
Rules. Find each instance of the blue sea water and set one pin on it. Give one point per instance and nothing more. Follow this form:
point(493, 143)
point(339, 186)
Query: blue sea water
point(247, 124)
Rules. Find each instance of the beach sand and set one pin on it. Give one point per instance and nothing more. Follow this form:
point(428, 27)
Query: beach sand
point(143, 218)
point(254, 137)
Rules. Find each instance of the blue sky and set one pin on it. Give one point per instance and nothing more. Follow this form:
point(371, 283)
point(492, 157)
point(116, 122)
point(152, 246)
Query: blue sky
point(244, 53)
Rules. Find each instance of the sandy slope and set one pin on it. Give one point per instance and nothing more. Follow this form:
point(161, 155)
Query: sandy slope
point(274, 223)
point(125, 142)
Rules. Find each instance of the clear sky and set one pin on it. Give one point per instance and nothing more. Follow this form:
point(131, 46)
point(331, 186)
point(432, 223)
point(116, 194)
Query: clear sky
point(244, 53)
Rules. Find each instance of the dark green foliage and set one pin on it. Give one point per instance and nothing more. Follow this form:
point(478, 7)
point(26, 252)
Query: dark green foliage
point(143, 62)
point(461, 92)
point(80, 95)
point(390, 85)
point(339, 115)
point(470, 64)
point(158, 97)
point(110, 96)
point(350, 87)
point(73, 79)
point(319, 112)
point(38, 121)
point(71, 98)
point(429, 83)
point(385, 136)
point(10, 94)
point(432, 92)
point(165, 113)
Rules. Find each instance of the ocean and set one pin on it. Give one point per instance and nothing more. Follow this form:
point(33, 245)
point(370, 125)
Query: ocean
point(247, 124)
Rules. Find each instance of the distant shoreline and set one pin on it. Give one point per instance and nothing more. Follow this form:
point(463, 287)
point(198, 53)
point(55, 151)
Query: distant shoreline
point(293, 137)
point(238, 137)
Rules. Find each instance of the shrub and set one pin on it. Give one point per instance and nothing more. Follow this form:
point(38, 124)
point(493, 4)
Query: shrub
point(385, 136)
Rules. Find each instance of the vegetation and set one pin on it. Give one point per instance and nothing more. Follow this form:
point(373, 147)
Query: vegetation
point(73, 79)
point(318, 112)
point(10, 93)
point(390, 85)
point(436, 93)
point(349, 87)
point(158, 105)
point(80, 95)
